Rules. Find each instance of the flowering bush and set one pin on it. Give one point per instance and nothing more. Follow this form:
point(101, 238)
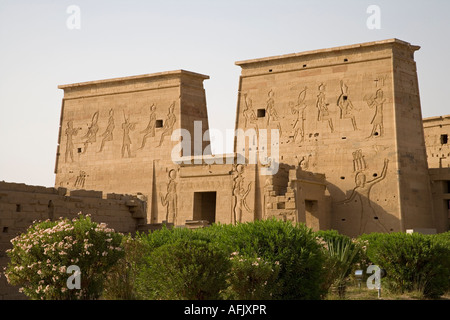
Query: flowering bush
point(121, 278)
point(40, 258)
point(252, 278)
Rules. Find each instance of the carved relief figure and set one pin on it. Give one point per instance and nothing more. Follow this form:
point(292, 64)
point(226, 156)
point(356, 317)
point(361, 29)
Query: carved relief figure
point(377, 120)
point(127, 126)
point(81, 178)
point(359, 163)
point(271, 113)
point(346, 106)
point(108, 134)
point(70, 132)
point(91, 135)
point(299, 110)
point(305, 162)
point(150, 130)
point(168, 124)
point(170, 199)
point(249, 113)
point(321, 104)
point(362, 193)
point(240, 194)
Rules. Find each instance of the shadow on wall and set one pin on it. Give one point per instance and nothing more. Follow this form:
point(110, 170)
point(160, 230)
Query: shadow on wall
point(359, 211)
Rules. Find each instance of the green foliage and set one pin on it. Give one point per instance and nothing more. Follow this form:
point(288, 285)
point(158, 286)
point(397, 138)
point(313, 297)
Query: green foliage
point(277, 260)
point(40, 257)
point(342, 255)
point(413, 262)
point(119, 284)
point(184, 269)
point(293, 246)
point(252, 278)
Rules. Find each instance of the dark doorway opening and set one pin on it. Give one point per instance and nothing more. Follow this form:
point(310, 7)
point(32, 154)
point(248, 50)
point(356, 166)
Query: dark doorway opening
point(205, 206)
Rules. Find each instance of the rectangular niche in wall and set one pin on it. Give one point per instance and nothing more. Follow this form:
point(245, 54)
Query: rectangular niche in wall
point(312, 214)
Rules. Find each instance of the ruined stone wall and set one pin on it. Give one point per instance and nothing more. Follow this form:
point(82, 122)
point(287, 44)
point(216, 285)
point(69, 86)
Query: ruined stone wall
point(21, 205)
point(345, 112)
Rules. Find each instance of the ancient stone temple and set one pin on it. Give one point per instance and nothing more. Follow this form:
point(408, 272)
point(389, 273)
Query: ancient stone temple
point(333, 138)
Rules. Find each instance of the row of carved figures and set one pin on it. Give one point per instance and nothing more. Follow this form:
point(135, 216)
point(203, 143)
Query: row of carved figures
point(108, 135)
point(298, 108)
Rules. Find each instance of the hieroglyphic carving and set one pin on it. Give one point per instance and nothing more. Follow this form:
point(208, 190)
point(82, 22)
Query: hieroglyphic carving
point(70, 132)
point(359, 163)
point(150, 130)
point(322, 107)
point(249, 113)
point(376, 102)
point(81, 179)
point(239, 194)
point(299, 110)
point(169, 123)
point(169, 200)
point(345, 105)
point(362, 193)
point(304, 162)
point(91, 135)
point(380, 80)
point(271, 113)
point(108, 134)
point(127, 126)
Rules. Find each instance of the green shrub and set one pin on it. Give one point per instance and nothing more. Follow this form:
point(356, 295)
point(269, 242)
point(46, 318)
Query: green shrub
point(293, 246)
point(413, 262)
point(40, 257)
point(342, 255)
point(119, 284)
point(252, 278)
point(184, 269)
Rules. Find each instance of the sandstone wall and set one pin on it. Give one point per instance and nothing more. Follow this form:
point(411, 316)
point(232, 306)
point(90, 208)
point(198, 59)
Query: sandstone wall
point(115, 134)
point(353, 114)
point(21, 205)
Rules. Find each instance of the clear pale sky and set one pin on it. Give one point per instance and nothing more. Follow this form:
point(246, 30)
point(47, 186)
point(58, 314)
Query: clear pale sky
point(38, 52)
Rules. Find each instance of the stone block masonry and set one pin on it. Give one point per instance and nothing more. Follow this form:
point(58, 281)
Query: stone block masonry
point(21, 205)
